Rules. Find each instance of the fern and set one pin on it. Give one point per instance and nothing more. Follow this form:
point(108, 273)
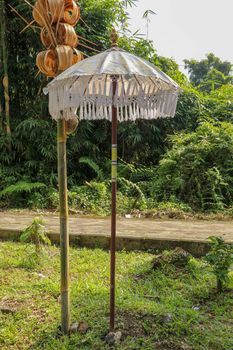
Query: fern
point(20, 187)
point(94, 166)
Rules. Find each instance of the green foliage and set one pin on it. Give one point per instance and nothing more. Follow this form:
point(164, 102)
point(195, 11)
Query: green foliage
point(94, 166)
point(147, 13)
point(20, 187)
point(130, 189)
point(209, 73)
point(198, 168)
point(22, 193)
point(213, 80)
point(225, 92)
point(99, 17)
point(220, 257)
point(36, 234)
point(93, 197)
point(173, 205)
point(219, 104)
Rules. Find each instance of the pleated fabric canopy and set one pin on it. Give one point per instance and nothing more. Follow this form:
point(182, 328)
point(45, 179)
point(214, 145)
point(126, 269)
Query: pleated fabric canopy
point(142, 90)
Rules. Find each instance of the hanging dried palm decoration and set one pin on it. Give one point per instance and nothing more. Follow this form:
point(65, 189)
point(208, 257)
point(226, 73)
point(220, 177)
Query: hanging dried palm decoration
point(46, 61)
point(57, 18)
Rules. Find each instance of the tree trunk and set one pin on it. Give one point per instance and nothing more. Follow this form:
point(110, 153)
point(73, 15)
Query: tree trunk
point(219, 285)
point(5, 67)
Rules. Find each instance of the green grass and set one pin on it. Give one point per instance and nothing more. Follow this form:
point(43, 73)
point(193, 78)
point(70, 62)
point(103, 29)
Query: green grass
point(162, 309)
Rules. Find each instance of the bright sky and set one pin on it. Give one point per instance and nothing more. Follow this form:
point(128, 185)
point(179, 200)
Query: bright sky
point(188, 29)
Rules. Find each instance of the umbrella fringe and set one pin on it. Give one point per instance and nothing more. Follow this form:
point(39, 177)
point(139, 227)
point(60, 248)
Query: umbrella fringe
point(132, 112)
point(93, 100)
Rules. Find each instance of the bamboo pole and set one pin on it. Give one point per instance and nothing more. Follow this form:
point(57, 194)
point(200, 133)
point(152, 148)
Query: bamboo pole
point(64, 233)
point(5, 67)
point(113, 217)
point(1, 107)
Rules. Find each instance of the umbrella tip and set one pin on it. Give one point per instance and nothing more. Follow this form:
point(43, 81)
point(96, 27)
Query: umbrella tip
point(114, 37)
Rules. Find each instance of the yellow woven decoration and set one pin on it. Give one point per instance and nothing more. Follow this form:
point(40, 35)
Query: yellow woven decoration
point(40, 12)
point(65, 36)
point(47, 63)
point(55, 11)
point(45, 37)
point(64, 57)
point(77, 56)
point(71, 13)
point(48, 11)
point(57, 18)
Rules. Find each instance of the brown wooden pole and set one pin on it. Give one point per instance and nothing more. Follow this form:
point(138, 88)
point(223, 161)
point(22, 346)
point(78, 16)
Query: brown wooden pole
point(64, 233)
point(113, 217)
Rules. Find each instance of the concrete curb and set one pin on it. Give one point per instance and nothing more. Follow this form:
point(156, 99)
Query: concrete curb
point(196, 248)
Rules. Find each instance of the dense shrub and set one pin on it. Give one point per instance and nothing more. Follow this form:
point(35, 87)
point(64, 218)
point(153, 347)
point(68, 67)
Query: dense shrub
point(198, 169)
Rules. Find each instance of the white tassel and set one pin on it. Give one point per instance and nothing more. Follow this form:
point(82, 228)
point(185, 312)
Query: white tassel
point(126, 113)
point(81, 112)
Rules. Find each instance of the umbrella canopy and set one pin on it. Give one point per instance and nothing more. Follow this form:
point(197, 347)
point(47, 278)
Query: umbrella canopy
point(142, 90)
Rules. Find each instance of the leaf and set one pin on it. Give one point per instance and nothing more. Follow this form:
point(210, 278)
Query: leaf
point(20, 187)
point(94, 166)
point(24, 237)
point(130, 3)
point(147, 13)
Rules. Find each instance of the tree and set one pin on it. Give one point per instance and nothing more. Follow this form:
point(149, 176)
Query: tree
point(209, 72)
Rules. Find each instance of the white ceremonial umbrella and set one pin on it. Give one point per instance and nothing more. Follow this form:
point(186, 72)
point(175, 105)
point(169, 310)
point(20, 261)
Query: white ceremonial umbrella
point(117, 86)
